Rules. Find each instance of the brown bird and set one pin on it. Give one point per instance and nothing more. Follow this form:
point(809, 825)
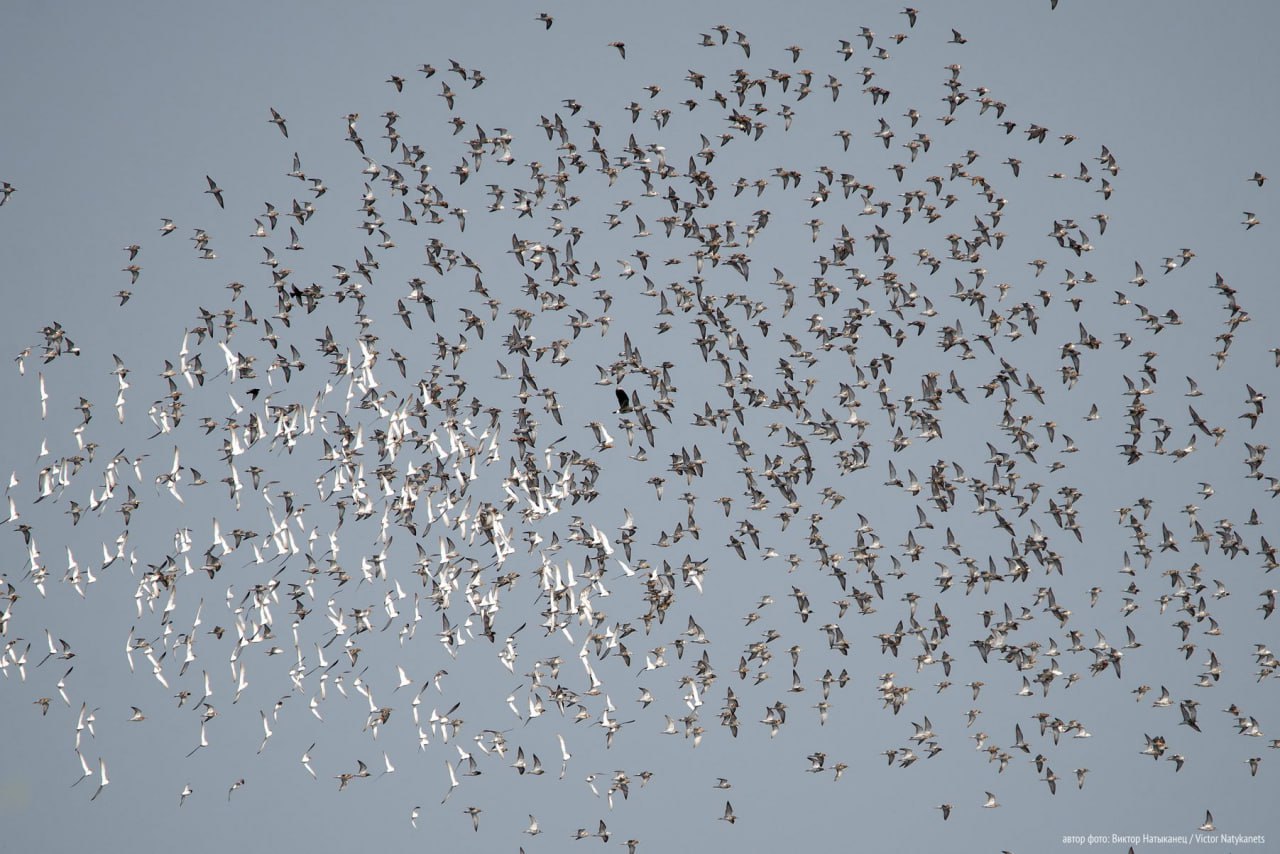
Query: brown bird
point(215, 191)
point(278, 120)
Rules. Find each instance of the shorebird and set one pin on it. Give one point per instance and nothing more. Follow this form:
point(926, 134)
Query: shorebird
point(215, 191)
point(278, 120)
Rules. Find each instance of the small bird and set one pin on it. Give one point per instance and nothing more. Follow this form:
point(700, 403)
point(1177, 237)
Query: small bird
point(306, 761)
point(278, 120)
point(603, 440)
point(621, 48)
point(624, 402)
point(215, 191)
point(102, 778)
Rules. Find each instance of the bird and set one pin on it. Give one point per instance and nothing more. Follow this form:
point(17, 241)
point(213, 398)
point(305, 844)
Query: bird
point(306, 760)
point(278, 120)
point(215, 191)
point(103, 782)
point(603, 440)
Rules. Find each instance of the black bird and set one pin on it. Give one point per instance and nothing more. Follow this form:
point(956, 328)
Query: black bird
point(624, 402)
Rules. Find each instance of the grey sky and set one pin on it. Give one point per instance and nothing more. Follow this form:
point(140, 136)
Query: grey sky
point(114, 120)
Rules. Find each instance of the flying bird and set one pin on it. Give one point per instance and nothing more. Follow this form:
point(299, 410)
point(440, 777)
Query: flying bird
point(278, 120)
point(215, 191)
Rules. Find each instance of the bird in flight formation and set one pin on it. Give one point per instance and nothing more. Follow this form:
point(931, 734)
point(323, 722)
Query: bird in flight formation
point(328, 469)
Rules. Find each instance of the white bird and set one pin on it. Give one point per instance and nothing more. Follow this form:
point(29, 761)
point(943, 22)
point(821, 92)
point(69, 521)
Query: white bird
point(565, 755)
point(266, 730)
point(306, 761)
point(603, 439)
point(84, 764)
point(102, 778)
point(453, 780)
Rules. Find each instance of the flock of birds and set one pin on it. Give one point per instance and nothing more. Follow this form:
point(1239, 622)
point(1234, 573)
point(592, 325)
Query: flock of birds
point(564, 457)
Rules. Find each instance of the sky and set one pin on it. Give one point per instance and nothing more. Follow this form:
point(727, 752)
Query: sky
point(813, 421)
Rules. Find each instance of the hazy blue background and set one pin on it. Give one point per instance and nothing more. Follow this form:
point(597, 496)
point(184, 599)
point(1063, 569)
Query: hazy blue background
point(115, 115)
